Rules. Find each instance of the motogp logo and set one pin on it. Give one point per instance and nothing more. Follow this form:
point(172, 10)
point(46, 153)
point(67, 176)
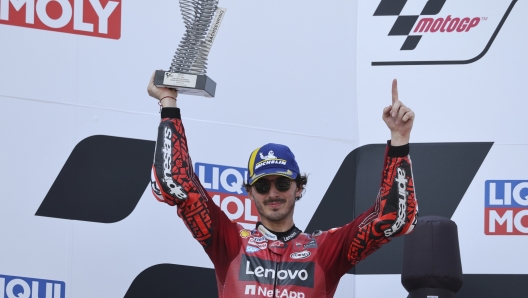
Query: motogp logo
point(405, 23)
point(435, 32)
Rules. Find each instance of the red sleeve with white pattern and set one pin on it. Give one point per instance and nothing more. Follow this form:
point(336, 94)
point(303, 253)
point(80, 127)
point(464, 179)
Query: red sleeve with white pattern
point(175, 183)
point(395, 213)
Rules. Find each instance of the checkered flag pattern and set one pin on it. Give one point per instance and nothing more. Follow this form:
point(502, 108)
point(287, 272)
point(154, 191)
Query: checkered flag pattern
point(405, 23)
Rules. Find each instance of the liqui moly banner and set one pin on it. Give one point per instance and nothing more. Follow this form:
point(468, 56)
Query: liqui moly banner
point(225, 184)
point(99, 18)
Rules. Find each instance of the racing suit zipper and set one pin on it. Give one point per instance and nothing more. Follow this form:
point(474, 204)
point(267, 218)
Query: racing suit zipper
point(275, 281)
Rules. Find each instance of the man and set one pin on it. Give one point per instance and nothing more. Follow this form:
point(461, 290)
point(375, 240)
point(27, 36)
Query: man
point(276, 259)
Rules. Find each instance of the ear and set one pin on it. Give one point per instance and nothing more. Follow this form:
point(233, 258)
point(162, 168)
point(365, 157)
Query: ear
point(298, 191)
point(250, 192)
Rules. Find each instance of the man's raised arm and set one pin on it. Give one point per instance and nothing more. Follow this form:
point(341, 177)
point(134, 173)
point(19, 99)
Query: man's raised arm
point(395, 210)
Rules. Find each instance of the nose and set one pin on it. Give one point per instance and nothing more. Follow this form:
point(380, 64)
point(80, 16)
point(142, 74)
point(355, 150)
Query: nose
point(273, 192)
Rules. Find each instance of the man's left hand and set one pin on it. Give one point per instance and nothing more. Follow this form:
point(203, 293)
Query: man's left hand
point(398, 118)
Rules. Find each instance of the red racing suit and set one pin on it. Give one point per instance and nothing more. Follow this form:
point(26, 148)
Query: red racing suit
point(292, 264)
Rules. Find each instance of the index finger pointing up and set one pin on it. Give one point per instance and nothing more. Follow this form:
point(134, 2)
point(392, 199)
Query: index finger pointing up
point(394, 91)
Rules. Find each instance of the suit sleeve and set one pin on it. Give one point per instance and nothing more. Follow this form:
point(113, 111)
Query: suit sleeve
point(394, 213)
point(175, 183)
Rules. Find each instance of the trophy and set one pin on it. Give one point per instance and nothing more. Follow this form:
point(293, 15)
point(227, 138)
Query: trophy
point(187, 73)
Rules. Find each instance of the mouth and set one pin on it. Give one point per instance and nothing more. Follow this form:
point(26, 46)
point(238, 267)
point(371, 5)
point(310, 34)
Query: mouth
point(274, 204)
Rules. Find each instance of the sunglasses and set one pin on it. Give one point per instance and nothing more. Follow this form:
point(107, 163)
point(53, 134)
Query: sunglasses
point(262, 186)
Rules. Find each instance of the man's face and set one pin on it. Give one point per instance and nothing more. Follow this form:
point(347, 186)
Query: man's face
point(275, 205)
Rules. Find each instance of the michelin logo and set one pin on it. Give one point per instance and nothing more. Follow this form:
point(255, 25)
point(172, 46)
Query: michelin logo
point(269, 160)
point(271, 155)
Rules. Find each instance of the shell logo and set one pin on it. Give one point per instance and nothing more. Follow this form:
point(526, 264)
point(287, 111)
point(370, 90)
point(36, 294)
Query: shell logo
point(245, 233)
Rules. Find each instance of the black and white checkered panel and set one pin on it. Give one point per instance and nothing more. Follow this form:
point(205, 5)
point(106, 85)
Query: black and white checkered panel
point(405, 23)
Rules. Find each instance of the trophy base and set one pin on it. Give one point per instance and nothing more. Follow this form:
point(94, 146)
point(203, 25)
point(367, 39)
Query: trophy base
point(200, 85)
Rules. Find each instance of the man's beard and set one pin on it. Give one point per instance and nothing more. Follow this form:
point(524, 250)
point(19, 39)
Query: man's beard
point(274, 215)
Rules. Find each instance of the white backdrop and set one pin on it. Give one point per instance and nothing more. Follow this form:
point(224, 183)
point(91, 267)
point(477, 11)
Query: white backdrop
point(293, 72)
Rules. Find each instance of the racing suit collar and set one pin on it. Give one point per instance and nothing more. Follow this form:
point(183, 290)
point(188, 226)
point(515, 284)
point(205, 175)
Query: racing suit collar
point(289, 235)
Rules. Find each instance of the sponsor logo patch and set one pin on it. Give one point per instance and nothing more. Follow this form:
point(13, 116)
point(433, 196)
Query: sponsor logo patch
point(258, 239)
point(174, 188)
point(252, 249)
point(290, 237)
point(311, 244)
point(267, 233)
point(262, 245)
point(287, 273)
point(401, 181)
point(300, 255)
point(317, 233)
point(245, 233)
point(269, 159)
point(263, 291)
point(277, 244)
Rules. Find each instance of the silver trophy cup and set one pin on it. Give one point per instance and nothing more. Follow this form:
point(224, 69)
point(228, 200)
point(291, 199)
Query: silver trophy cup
point(187, 73)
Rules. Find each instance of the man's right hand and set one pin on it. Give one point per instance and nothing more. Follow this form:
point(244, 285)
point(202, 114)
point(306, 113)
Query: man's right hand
point(166, 96)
